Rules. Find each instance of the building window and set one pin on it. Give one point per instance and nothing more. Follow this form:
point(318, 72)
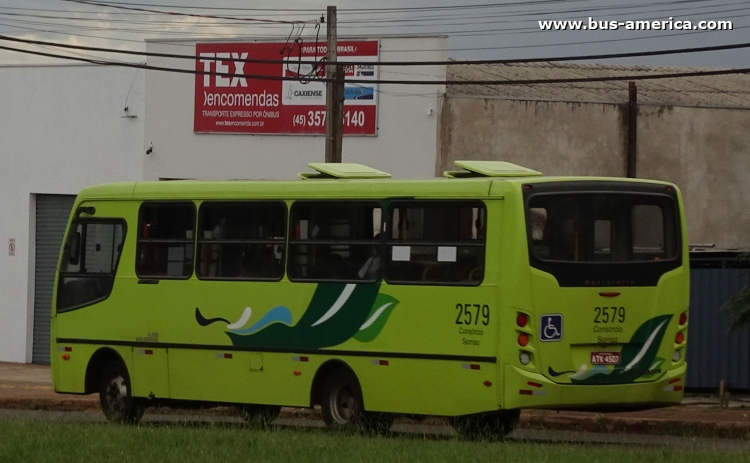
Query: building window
point(241, 240)
point(90, 260)
point(165, 240)
point(335, 241)
point(436, 242)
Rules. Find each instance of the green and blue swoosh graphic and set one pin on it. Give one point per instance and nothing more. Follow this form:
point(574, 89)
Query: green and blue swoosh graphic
point(336, 313)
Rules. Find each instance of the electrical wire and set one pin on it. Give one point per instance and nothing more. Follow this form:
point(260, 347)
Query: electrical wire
point(672, 75)
point(396, 63)
point(572, 6)
point(174, 13)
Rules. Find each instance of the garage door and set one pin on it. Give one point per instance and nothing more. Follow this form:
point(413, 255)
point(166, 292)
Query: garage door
point(52, 212)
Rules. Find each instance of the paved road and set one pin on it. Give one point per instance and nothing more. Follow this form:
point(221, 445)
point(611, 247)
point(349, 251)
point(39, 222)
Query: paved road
point(519, 435)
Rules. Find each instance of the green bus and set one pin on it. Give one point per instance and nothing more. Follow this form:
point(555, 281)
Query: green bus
point(472, 296)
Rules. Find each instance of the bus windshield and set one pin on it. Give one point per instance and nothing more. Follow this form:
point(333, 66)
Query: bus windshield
point(602, 227)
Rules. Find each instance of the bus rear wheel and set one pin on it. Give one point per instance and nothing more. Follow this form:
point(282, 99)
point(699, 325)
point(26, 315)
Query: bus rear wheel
point(343, 406)
point(486, 425)
point(259, 415)
point(115, 395)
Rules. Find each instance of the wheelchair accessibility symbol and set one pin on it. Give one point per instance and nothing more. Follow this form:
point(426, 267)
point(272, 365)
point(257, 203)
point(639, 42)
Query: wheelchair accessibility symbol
point(551, 327)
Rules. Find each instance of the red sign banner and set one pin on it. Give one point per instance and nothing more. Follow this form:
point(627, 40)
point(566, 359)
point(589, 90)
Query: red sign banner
point(239, 102)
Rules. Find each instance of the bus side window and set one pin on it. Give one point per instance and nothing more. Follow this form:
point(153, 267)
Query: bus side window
point(165, 240)
point(436, 242)
point(334, 241)
point(87, 273)
point(241, 240)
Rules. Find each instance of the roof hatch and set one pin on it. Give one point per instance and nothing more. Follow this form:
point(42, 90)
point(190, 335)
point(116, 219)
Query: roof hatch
point(342, 170)
point(490, 169)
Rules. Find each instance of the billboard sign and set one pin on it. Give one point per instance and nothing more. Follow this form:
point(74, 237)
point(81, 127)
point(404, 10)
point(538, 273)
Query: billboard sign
point(242, 101)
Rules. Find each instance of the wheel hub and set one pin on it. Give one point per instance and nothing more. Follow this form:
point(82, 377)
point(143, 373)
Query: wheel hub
point(343, 404)
point(117, 392)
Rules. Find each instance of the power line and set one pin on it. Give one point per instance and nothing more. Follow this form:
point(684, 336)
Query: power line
point(536, 14)
point(174, 13)
point(472, 33)
point(400, 19)
point(398, 63)
point(474, 48)
point(354, 10)
point(399, 82)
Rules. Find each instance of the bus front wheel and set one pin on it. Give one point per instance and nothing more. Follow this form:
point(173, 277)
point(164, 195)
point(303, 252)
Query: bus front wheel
point(115, 395)
point(486, 425)
point(343, 406)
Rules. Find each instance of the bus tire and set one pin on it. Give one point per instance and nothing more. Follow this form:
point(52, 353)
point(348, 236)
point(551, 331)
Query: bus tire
point(343, 406)
point(259, 415)
point(486, 425)
point(115, 395)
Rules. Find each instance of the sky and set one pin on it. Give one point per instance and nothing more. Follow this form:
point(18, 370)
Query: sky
point(476, 29)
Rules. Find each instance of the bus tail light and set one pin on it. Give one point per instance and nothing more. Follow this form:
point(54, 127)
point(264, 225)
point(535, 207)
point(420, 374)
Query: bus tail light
point(609, 294)
point(676, 356)
point(679, 338)
point(522, 319)
point(524, 358)
point(683, 318)
point(673, 388)
point(523, 339)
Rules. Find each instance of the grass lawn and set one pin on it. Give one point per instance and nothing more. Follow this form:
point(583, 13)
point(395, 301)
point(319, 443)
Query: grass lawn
point(39, 442)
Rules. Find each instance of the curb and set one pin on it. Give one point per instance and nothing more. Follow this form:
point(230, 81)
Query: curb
point(530, 419)
point(651, 426)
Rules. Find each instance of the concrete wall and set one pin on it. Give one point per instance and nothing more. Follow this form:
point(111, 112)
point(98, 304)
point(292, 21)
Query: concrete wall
point(405, 146)
point(705, 151)
point(554, 138)
point(61, 129)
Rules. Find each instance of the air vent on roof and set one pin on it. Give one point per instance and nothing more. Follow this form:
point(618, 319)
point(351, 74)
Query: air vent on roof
point(490, 169)
point(342, 170)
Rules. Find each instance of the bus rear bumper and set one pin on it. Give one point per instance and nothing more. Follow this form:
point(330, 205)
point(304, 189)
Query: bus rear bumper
point(524, 389)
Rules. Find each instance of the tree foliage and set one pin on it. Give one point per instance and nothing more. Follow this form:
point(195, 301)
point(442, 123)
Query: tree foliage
point(737, 307)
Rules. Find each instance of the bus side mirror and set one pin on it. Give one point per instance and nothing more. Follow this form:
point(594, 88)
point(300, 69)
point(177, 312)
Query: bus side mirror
point(74, 250)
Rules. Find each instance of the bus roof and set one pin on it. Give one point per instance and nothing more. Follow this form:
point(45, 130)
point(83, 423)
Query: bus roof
point(346, 180)
point(474, 187)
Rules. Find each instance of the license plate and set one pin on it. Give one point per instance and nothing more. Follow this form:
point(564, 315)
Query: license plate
point(605, 358)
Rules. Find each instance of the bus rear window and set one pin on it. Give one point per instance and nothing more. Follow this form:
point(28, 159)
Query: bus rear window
point(588, 227)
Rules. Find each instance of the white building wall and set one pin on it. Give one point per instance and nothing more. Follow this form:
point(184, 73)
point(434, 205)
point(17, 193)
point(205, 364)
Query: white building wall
point(405, 146)
point(61, 129)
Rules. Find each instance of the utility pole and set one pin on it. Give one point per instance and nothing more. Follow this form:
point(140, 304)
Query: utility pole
point(632, 130)
point(334, 93)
